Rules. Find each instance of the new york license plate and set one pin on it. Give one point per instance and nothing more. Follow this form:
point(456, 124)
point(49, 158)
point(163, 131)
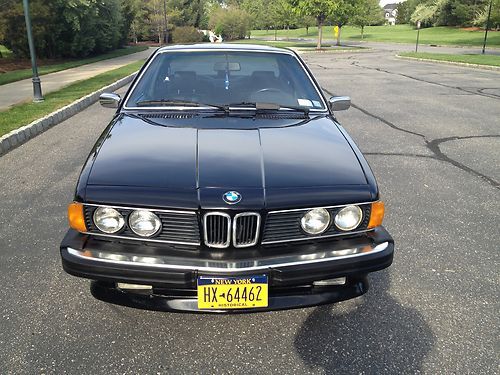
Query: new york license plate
point(232, 292)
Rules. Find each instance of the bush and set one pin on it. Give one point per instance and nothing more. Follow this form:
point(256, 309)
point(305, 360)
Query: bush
point(186, 34)
point(231, 23)
point(61, 28)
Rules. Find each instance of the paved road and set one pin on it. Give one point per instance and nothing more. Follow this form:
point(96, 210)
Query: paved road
point(21, 91)
point(432, 135)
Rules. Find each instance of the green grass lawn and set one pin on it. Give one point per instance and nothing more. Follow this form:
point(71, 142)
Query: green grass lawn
point(396, 34)
point(17, 75)
point(492, 60)
point(22, 114)
point(285, 44)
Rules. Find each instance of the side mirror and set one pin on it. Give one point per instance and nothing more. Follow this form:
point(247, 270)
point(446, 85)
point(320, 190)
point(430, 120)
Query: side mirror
point(339, 103)
point(110, 100)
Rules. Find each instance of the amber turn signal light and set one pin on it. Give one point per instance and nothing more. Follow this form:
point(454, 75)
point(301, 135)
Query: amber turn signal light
point(377, 214)
point(76, 217)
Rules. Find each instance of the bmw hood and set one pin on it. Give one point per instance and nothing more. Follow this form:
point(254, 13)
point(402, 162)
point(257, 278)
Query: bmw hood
point(268, 166)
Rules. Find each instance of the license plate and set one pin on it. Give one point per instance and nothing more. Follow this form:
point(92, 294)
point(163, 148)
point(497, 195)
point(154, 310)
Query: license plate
point(232, 292)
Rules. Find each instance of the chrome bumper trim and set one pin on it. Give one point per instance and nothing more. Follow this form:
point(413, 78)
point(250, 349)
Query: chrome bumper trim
point(167, 262)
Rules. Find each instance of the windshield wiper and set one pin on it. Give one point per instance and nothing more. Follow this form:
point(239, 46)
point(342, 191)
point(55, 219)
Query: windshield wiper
point(182, 103)
point(269, 106)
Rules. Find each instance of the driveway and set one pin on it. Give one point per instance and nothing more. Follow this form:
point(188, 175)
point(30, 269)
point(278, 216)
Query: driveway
point(432, 135)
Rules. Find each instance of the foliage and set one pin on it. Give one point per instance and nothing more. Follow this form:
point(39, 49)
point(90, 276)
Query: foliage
point(482, 16)
point(186, 34)
point(441, 12)
point(343, 13)
point(368, 12)
point(319, 9)
point(61, 28)
point(232, 22)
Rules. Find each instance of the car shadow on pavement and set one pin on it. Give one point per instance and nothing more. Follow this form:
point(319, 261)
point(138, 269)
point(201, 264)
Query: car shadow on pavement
point(373, 334)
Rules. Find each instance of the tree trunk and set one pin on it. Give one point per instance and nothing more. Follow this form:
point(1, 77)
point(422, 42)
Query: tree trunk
point(275, 34)
point(287, 32)
point(320, 33)
point(307, 30)
point(338, 36)
point(362, 31)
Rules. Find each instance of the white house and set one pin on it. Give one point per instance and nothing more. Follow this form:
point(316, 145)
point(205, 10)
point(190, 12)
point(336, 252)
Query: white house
point(390, 10)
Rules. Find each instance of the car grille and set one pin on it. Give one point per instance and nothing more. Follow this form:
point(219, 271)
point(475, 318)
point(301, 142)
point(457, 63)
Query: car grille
point(246, 229)
point(217, 229)
point(178, 227)
point(284, 226)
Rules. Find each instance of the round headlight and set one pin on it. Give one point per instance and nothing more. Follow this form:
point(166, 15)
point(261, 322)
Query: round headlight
point(348, 218)
point(315, 221)
point(144, 223)
point(108, 220)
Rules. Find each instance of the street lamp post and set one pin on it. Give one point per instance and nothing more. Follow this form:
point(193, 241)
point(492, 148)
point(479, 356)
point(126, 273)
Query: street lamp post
point(487, 26)
point(37, 87)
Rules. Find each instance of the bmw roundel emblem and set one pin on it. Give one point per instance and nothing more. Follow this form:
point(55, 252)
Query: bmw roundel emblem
point(232, 197)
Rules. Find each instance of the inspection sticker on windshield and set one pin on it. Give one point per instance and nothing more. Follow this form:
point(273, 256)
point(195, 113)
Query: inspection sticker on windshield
point(304, 102)
point(245, 292)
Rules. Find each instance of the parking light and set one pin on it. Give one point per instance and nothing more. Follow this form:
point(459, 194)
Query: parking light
point(377, 214)
point(76, 217)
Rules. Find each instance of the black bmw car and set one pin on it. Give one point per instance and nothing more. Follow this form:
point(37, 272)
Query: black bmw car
point(224, 183)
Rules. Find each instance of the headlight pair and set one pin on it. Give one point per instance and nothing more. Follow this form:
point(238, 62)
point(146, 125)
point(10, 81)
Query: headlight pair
point(142, 222)
point(317, 220)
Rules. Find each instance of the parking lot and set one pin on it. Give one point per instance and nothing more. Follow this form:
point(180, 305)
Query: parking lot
point(432, 136)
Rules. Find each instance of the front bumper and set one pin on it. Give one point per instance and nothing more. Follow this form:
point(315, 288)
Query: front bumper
point(173, 271)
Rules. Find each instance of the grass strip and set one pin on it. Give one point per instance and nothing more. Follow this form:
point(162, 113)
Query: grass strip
point(394, 34)
point(490, 60)
point(17, 75)
point(23, 114)
point(298, 45)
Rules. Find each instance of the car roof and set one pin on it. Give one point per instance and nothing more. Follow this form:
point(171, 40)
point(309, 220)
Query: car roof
point(224, 47)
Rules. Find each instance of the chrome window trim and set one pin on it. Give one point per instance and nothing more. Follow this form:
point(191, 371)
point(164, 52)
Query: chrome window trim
point(283, 52)
point(205, 233)
point(228, 266)
point(257, 230)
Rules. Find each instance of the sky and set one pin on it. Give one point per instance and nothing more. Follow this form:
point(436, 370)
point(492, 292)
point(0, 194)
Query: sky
point(384, 2)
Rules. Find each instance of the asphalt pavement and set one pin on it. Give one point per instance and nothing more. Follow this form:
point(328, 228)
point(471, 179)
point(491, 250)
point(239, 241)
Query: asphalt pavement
point(432, 136)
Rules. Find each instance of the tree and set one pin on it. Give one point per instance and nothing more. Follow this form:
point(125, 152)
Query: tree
point(307, 22)
point(368, 12)
point(482, 16)
point(343, 13)
point(321, 10)
point(231, 22)
point(62, 28)
point(283, 15)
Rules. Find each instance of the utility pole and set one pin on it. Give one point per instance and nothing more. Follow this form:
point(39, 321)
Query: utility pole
point(487, 26)
point(37, 87)
point(165, 21)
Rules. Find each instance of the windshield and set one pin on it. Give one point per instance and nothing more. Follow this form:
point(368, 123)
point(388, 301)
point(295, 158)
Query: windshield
point(223, 78)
